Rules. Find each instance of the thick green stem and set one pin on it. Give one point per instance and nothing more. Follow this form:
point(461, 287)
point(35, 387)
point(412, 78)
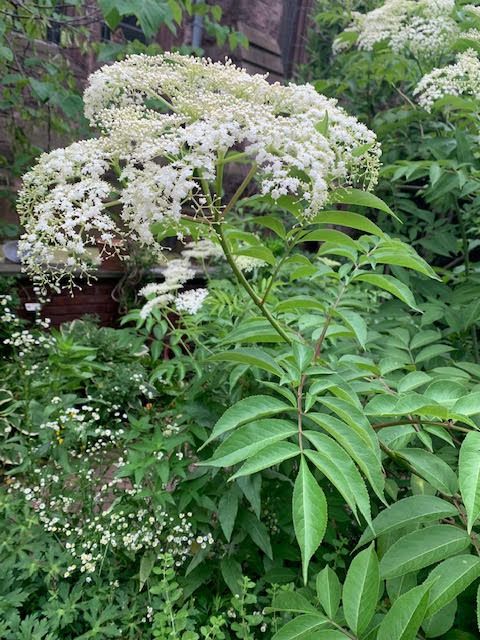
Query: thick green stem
point(247, 286)
point(238, 193)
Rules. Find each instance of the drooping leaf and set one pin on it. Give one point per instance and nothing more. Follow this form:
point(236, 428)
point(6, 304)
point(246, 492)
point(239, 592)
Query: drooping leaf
point(361, 199)
point(231, 571)
point(309, 515)
point(407, 512)
point(403, 620)
point(390, 284)
point(441, 622)
point(292, 602)
point(422, 548)
point(339, 468)
point(257, 531)
point(469, 476)
point(361, 590)
point(227, 511)
point(435, 470)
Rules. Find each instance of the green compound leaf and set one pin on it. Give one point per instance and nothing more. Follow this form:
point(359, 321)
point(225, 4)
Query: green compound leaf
point(469, 477)
point(403, 620)
point(422, 548)
point(361, 590)
point(309, 515)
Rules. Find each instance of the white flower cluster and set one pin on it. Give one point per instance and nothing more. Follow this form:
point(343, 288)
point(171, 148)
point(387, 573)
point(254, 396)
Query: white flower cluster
point(424, 29)
point(459, 79)
point(134, 525)
point(8, 316)
point(191, 301)
point(166, 123)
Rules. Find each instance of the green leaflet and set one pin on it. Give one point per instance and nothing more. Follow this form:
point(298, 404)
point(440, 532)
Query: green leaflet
point(272, 455)
point(299, 628)
point(441, 622)
point(406, 512)
point(450, 578)
point(329, 591)
point(364, 456)
point(361, 198)
point(390, 284)
point(432, 468)
point(339, 468)
point(309, 515)
point(361, 590)
point(250, 356)
point(406, 615)
point(246, 410)
point(422, 548)
point(469, 476)
point(291, 601)
point(227, 511)
point(246, 441)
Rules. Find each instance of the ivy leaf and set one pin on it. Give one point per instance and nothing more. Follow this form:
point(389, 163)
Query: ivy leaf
point(361, 590)
point(469, 477)
point(403, 620)
point(422, 548)
point(309, 515)
point(329, 591)
point(450, 578)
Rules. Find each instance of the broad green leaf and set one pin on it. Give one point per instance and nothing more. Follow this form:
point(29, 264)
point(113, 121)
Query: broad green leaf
point(413, 380)
point(450, 578)
point(361, 590)
point(339, 468)
point(272, 455)
point(146, 565)
point(422, 548)
point(248, 440)
point(273, 223)
point(252, 330)
point(355, 446)
point(329, 591)
point(469, 476)
point(232, 574)
point(356, 323)
point(403, 620)
point(441, 622)
point(302, 627)
point(330, 235)
point(246, 410)
point(397, 253)
point(390, 284)
point(432, 468)
point(355, 418)
point(407, 512)
point(468, 405)
point(260, 253)
point(360, 198)
point(396, 587)
point(257, 531)
point(292, 602)
point(309, 515)
point(227, 511)
point(296, 303)
point(253, 357)
point(432, 351)
point(348, 219)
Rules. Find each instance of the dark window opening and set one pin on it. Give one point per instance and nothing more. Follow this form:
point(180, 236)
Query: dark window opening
point(129, 29)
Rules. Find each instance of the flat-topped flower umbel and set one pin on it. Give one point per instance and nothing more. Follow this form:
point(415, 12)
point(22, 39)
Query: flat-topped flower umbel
point(167, 126)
